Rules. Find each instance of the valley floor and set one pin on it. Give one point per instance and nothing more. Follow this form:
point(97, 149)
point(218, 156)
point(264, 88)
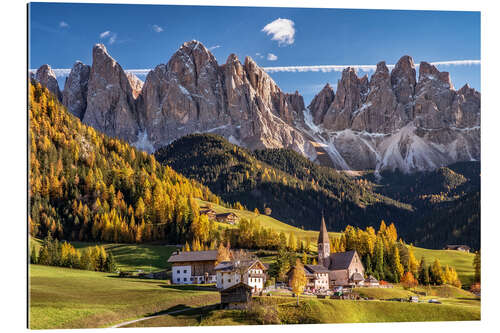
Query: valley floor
point(70, 298)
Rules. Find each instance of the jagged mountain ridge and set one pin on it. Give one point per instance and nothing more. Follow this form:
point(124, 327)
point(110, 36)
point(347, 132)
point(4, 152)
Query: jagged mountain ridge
point(390, 121)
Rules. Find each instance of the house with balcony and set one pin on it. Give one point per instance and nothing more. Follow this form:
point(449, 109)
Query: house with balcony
point(251, 272)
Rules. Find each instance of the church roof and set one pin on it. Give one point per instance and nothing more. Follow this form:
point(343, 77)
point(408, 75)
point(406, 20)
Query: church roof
point(316, 268)
point(323, 233)
point(341, 260)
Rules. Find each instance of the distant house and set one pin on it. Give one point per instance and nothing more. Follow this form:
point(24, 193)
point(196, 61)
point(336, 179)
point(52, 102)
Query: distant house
point(193, 267)
point(210, 213)
point(371, 282)
point(316, 275)
point(463, 248)
point(251, 272)
point(236, 296)
point(230, 218)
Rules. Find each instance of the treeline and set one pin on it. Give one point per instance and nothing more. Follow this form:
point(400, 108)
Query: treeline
point(63, 254)
point(387, 258)
point(248, 234)
point(86, 186)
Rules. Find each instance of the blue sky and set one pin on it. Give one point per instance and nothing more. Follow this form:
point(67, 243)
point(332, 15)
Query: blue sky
point(143, 36)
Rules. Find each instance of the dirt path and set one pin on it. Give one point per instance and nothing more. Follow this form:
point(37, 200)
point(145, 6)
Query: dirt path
point(150, 317)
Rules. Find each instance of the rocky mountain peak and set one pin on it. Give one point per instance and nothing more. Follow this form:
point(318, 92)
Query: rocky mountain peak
point(76, 88)
point(404, 79)
point(110, 101)
point(136, 84)
point(320, 103)
point(397, 122)
point(430, 72)
point(46, 76)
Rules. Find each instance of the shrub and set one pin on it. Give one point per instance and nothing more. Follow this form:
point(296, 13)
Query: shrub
point(262, 314)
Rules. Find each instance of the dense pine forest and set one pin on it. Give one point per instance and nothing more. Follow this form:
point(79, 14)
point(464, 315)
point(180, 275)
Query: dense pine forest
point(89, 187)
point(298, 192)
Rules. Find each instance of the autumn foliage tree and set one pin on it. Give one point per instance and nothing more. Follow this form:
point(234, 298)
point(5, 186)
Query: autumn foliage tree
point(86, 186)
point(298, 279)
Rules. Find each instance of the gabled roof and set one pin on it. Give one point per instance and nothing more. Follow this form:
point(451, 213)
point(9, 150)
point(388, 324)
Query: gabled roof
point(357, 277)
point(229, 266)
point(341, 260)
point(238, 285)
point(193, 256)
point(227, 214)
point(316, 268)
point(323, 233)
point(454, 247)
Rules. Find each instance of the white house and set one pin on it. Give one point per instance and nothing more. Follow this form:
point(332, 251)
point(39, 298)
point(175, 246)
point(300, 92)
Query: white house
point(193, 267)
point(250, 272)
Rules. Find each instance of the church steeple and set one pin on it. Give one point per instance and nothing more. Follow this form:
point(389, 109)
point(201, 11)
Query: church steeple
point(323, 244)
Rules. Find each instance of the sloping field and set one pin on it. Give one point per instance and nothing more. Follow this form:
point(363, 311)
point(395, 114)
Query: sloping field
point(71, 298)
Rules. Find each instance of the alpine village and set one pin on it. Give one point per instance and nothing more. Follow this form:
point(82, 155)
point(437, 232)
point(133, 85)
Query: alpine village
point(132, 225)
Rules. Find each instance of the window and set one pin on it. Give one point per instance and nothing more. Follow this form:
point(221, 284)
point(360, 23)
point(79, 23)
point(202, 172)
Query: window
point(178, 271)
point(229, 280)
point(191, 279)
point(178, 280)
point(184, 279)
point(185, 271)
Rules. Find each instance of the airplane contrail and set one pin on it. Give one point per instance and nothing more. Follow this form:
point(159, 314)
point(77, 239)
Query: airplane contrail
point(61, 72)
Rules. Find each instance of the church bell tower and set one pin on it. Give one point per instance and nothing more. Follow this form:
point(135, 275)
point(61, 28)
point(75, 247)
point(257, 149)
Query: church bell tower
point(323, 245)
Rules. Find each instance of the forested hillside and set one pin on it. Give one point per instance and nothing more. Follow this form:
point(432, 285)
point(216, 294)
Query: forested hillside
point(297, 191)
point(89, 187)
point(292, 188)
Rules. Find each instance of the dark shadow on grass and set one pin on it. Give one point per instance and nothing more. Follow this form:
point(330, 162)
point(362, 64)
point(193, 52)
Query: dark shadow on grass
point(189, 287)
point(186, 310)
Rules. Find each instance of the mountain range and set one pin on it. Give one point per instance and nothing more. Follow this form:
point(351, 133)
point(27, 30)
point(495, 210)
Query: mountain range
point(390, 121)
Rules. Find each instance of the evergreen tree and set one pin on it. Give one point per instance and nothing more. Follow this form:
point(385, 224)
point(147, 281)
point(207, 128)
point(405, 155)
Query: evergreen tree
point(110, 265)
point(437, 276)
point(477, 266)
point(423, 274)
point(33, 255)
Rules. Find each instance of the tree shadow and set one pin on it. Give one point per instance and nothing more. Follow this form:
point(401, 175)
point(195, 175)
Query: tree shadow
point(186, 310)
point(189, 287)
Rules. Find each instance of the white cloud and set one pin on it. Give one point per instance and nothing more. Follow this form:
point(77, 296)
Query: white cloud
point(63, 24)
point(282, 30)
point(157, 28)
point(110, 35)
point(259, 55)
point(363, 68)
point(105, 34)
point(112, 39)
point(272, 57)
point(211, 48)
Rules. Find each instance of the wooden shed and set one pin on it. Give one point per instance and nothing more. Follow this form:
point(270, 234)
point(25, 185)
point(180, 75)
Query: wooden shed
point(236, 297)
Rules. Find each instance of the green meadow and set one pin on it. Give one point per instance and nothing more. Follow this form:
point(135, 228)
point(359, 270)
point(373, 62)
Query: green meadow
point(461, 261)
point(269, 222)
point(71, 298)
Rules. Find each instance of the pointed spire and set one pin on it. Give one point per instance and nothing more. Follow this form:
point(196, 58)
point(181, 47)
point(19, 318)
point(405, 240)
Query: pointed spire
point(323, 233)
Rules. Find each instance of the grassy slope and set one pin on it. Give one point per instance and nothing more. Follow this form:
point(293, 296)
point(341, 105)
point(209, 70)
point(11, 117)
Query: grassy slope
point(462, 262)
point(131, 257)
point(70, 298)
point(338, 311)
point(313, 310)
point(269, 222)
